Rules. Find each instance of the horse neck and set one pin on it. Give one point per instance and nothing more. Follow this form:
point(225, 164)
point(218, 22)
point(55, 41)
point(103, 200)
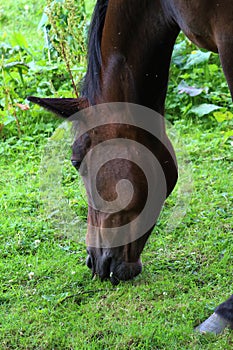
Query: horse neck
point(137, 44)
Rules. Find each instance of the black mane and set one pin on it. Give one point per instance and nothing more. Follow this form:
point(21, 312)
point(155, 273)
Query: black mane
point(91, 83)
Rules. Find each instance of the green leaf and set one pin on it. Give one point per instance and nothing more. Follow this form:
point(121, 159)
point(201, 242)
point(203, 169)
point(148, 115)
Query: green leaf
point(197, 57)
point(223, 116)
point(204, 109)
point(49, 297)
point(18, 65)
point(5, 118)
point(61, 131)
point(183, 87)
point(58, 134)
point(228, 135)
point(18, 39)
point(44, 20)
point(178, 56)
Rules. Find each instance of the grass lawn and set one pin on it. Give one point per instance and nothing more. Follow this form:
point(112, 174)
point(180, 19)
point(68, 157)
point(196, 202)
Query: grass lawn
point(48, 300)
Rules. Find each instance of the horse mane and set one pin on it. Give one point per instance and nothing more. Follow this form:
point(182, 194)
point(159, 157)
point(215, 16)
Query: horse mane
point(91, 83)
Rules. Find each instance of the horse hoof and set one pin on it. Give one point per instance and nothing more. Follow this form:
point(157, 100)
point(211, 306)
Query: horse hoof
point(214, 324)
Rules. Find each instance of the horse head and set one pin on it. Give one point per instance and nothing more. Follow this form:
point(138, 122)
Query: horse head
point(127, 172)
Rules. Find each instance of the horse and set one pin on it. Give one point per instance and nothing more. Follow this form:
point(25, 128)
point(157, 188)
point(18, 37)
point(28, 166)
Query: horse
point(129, 54)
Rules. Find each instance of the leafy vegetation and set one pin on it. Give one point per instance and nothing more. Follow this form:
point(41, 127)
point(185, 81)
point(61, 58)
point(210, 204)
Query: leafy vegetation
point(48, 300)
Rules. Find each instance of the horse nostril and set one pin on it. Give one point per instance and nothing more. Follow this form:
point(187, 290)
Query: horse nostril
point(104, 271)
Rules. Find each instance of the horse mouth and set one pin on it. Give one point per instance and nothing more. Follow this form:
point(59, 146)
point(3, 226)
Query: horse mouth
point(114, 271)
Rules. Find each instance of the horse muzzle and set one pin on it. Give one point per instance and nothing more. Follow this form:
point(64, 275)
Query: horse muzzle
point(106, 267)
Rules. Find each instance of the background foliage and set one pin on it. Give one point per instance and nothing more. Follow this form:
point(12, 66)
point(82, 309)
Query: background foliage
point(47, 298)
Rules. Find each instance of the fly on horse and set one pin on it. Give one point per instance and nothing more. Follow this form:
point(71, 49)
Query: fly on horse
point(130, 48)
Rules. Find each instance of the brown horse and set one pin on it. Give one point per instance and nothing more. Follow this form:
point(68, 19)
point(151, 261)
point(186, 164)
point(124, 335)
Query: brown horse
point(130, 47)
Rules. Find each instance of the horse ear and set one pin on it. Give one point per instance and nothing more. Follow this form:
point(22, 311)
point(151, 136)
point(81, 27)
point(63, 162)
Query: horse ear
point(63, 107)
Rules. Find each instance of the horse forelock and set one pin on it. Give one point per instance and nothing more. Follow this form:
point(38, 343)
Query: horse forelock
point(91, 83)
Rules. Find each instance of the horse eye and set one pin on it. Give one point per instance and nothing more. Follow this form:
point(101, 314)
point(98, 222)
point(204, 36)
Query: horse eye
point(81, 169)
point(76, 163)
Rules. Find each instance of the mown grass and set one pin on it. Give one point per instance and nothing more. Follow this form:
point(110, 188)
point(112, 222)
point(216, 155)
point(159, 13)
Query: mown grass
point(48, 300)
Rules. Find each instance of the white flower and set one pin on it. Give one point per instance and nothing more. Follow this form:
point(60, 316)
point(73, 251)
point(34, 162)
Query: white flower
point(37, 242)
point(31, 275)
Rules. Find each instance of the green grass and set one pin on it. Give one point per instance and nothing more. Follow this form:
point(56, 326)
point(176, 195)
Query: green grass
point(22, 16)
point(48, 300)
